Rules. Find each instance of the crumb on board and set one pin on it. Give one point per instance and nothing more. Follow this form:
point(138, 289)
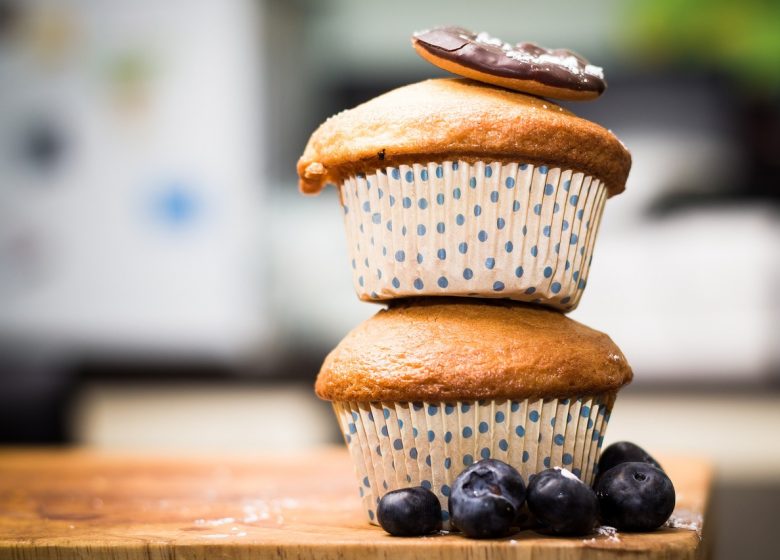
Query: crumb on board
point(610, 533)
point(685, 519)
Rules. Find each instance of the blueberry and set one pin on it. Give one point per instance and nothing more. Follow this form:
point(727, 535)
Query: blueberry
point(409, 512)
point(622, 452)
point(486, 499)
point(635, 497)
point(562, 502)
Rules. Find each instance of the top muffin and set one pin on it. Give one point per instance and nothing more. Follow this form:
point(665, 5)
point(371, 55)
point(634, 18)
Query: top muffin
point(453, 187)
point(454, 120)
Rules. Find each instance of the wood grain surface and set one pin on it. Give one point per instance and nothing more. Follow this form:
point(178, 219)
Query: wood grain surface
point(78, 504)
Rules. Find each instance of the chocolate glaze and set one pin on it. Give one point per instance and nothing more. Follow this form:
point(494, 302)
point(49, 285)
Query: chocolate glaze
point(560, 68)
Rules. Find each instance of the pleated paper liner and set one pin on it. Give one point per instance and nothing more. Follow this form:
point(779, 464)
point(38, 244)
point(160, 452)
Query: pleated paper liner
point(482, 229)
point(398, 445)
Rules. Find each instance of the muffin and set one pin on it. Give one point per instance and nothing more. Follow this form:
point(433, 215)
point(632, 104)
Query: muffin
point(426, 387)
point(461, 188)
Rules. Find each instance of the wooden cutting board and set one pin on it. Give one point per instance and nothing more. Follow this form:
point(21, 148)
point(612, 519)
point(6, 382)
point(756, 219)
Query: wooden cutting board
point(82, 504)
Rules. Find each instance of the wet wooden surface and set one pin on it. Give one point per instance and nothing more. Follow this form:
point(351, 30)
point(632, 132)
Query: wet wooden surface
point(71, 504)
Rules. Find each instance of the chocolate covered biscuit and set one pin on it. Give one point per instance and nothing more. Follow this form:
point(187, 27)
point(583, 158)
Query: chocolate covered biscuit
point(525, 67)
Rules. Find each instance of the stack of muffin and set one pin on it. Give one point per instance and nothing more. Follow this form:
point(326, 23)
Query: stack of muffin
point(471, 211)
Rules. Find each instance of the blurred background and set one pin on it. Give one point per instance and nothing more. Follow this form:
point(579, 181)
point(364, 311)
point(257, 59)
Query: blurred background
point(163, 285)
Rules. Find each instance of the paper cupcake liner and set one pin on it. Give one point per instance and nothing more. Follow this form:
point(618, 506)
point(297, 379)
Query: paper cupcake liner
point(398, 445)
point(509, 230)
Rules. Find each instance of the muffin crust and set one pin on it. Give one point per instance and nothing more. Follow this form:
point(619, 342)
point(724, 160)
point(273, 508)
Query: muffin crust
point(448, 349)
point(459, 119)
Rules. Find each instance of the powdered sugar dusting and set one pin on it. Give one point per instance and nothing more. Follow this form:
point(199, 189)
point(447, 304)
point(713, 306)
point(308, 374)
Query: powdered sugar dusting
point(566, 59)
point(593, 70)
point(486, 39)
point(566, 473)
point(570, 62)
point(260, 510)
point(253, 511)
point(215, 522)
point(684, 519)
point(610, 532)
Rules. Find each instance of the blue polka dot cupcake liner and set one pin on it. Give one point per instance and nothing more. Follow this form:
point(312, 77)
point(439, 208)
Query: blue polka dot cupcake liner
point(398, 445)
point(503, 230)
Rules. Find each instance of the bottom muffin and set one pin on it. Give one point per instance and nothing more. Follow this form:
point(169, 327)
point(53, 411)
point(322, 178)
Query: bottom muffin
point(427, 387)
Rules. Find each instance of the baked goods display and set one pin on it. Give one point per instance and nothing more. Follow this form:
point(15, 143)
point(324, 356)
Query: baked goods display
point(471, 210)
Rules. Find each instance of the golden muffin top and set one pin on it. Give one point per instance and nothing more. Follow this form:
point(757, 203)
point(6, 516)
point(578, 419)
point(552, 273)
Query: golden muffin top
point(448, 349)
point(459, 119)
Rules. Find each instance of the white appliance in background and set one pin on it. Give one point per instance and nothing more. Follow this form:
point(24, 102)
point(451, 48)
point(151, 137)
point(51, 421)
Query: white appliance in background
point(688, 297)
point(129, 176)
